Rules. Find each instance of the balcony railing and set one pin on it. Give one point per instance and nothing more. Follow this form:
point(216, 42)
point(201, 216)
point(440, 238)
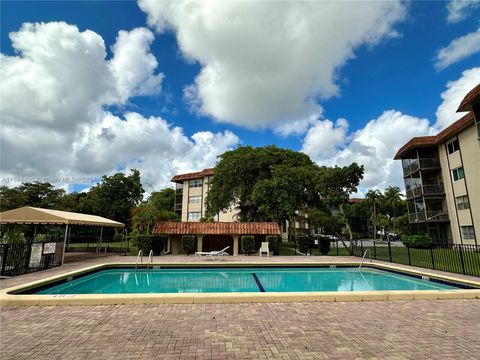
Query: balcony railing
point(426, 190)
point(428, 216)
point(422, 164)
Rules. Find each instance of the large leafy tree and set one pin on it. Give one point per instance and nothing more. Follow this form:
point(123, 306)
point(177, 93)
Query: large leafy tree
point(114, 197)
point(37, 194)
point(264, 183)
point(270, 184)
point(158, 207)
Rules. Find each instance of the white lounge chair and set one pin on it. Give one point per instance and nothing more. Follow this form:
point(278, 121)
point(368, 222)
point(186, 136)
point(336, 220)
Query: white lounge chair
point(264, 249)
point(212, 254)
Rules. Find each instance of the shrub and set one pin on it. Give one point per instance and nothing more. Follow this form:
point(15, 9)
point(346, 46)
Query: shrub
point(323, 244)
point(418, 241)
point(272, 243)
point(303, 243)
point(248, 244)
point(188, 243)
point(144, 243)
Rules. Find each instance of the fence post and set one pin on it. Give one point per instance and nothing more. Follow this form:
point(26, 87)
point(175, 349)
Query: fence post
point(461, 259)
point(389, 250)
point(336, 243)
point(374, 250)
point(409, 259)
point(4, 258)
point(431, 255)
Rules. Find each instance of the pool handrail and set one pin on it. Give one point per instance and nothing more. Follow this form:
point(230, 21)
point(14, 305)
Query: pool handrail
point(150, 257)
point(139, 257)
point(363, 258)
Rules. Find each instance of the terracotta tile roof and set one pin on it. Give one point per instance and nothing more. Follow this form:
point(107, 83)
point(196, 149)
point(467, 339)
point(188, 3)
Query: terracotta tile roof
point(216, 228)
point(194, 175)
point(472, 97)
point(442, 136)
point(355, 200)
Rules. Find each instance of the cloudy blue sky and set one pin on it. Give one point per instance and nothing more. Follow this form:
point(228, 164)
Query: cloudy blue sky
point(91, 88)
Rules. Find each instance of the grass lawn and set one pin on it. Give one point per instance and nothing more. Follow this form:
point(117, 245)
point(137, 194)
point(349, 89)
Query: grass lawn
point(439, 259)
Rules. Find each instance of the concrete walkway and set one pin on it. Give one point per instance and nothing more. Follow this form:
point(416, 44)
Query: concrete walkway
point(393, 330)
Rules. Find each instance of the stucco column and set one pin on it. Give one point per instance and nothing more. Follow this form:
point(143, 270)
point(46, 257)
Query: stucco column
point(199, 242)
point(235, 245)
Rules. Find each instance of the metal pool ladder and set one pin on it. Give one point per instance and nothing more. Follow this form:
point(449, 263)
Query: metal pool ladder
point(150, 257)
point(139, 257)
point(363, 258)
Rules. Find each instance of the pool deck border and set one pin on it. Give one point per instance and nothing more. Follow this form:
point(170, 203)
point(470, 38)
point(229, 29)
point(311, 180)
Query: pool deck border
point(8, 297)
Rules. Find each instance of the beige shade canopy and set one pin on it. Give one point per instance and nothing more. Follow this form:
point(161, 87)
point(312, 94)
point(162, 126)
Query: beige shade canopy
point(32, 215)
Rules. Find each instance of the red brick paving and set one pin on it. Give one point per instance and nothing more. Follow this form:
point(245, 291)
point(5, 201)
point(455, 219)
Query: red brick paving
point(446, 329)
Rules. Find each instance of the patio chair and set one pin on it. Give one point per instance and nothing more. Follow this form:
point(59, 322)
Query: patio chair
point(212, 254)
point(264, 249)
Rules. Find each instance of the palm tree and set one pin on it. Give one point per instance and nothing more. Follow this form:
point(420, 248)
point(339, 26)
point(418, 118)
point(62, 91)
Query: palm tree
point(372, 196)
point(393, 199)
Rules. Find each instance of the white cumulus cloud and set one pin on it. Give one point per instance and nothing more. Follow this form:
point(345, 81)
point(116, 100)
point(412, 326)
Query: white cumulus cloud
point(459, 10)
point(459, 49)
point(54, 123)
point(267, 64)
point(451, 98)
point(375, 145)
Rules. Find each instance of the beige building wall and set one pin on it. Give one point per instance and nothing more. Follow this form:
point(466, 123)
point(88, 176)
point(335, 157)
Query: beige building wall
point(202, 191)
point(467, 157)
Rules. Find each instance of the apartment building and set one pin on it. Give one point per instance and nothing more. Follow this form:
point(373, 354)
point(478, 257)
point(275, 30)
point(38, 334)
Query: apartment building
point(191, 190)
point(190, 193)
point(442, 178)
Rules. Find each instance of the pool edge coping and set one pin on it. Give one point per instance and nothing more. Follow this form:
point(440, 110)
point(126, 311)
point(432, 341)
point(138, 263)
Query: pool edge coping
point(7, 299)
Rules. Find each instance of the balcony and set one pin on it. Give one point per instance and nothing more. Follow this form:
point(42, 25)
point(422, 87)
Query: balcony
point(428, 216)
point(426, 190)
point(425, 164)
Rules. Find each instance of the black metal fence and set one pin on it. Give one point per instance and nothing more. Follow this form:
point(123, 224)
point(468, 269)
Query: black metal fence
point(462, 259)
point(96, 244)
point(17, 259)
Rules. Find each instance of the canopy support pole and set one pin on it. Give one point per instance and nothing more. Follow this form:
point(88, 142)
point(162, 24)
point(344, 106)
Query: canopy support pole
point(101, 236)
point(65, 243)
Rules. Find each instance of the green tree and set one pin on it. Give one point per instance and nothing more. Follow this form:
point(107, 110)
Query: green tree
point(335, 186)
point(245, 177)
point(163, 199)
point(372, 197)
point(158, 207)
point(392, 202)
point(36, 194)
point(114, 197)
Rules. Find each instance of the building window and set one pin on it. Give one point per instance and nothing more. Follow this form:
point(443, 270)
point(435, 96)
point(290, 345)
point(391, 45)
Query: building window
point(468, 233)
point(194, 215)
point(453, 146)
point(195, 183)
point(462, 202)
point(194, 199)
point(458, 174)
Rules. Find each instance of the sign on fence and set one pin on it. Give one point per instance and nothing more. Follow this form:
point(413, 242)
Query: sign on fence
point(36, 255)
point(49, 248)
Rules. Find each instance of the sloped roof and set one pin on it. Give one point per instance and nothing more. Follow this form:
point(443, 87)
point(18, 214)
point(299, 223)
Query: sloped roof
point(33, 215)
point(442, 136)
point(195, 175)
point(216, 228)
point(472, 97)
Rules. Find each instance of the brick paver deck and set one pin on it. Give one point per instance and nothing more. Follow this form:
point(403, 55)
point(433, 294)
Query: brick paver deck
point(446, 329)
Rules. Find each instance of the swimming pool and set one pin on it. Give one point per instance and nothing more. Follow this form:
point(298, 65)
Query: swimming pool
point(251, 279)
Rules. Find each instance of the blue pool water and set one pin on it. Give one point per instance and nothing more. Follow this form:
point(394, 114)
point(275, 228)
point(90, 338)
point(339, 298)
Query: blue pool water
point(128, 281)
